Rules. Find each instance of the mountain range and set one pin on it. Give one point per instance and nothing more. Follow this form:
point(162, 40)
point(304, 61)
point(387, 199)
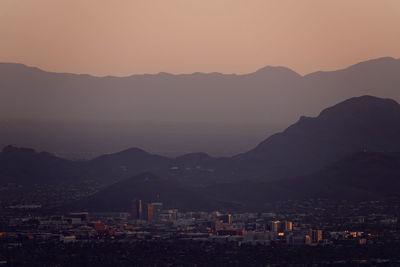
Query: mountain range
point(221, 114)
point(349, 150)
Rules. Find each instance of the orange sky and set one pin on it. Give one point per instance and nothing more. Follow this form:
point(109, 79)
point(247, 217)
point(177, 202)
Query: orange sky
point(123, 37)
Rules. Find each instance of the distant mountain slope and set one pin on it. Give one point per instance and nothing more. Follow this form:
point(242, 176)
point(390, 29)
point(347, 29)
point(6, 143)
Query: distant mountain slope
point(357, 124)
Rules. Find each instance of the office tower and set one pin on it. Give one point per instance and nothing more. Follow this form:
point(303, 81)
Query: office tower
point(275, 226)
point(157, 208)
point(149, 212)
point(288, 226)
point(316, 235)
point(227, 218)
point(137, 212)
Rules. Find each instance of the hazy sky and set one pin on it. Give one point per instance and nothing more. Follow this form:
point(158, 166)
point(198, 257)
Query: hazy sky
point(123, 37)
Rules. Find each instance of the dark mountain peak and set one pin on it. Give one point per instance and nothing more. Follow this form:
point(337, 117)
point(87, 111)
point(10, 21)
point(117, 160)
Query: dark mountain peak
point(362, 107)
point(26, 166)
point(133, 151)
point(14, 152)
point(358, 114)
point(125, 164)
point(8, 150)
point(129, 153)
point(357, 124)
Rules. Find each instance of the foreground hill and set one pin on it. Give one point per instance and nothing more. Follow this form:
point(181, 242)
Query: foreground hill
point(360, 176)
point(149, 188)
point(118, 166)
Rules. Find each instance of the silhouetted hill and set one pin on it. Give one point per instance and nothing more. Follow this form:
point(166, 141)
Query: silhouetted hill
point(118, 166)
point(149, 188)
point(360, 176)
point(190, 168)
point(357, 124)
point(26, 166)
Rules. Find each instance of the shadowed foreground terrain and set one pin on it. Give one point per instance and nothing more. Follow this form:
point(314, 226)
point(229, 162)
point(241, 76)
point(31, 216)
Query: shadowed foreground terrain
point(201, 254)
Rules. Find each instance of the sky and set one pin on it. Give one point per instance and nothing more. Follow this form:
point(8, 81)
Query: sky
point(124, 37)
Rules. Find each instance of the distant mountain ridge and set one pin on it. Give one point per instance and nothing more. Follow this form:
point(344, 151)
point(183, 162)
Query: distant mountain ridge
point(267, 99)
point(271, 90)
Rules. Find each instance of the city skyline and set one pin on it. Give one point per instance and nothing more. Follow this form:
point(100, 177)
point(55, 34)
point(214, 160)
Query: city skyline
point(199, 133)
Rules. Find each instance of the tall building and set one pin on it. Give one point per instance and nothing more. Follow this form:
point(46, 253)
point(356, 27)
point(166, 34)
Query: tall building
point(137, 212)
point(275, 226)
point(149, 212)
point(288, 226)
point(316, 235)
point(157, 208)
point(227, 218)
